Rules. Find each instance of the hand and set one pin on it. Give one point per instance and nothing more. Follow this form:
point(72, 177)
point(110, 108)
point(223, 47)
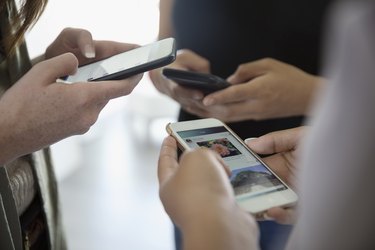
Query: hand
point(262, 89)
point(283, 146)
point(186, 60)
point(197, 195)
point(80, 43)
point(37, 111)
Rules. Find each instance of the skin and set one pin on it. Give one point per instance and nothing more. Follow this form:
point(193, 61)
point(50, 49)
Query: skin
point(44, 111)
point(198, 197)
point(283, 146)
point(262, 89)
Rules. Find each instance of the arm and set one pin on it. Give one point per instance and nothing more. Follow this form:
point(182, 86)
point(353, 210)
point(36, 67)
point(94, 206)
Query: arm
point(165, 22)
point(198, 197)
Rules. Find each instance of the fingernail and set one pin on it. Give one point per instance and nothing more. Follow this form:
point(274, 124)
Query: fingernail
point(249, 139)
point(266, 217)
point(89, 51)
point(208, 101)
point(231, 78)
point(197, 96)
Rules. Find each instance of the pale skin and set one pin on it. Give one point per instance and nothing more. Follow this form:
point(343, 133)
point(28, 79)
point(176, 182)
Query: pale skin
point(262, 89)
point(197, 195)
point(37, 111)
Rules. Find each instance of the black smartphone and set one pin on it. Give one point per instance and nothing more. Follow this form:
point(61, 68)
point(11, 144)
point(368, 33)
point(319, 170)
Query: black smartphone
point(207, 83)
point(129, 63)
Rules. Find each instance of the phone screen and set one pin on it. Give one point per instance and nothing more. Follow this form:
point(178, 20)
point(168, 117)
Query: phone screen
point(145, 55)
point(250, 178)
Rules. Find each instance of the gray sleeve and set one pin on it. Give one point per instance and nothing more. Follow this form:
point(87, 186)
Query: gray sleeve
point(337, 181)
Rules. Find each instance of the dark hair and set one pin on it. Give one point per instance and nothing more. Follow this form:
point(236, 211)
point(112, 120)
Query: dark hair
point(22, 19)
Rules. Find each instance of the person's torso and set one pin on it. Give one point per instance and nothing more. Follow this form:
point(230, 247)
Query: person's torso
point(231, 32)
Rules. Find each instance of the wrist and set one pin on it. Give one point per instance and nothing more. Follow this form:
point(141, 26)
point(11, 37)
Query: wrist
point(222, 227)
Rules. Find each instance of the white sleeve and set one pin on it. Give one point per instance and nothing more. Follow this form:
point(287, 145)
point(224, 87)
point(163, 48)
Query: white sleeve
point(337, 195)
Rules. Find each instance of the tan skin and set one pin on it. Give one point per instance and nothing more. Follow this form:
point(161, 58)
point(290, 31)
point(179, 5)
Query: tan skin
point(284, 147)
point(197, 195)
point(262, 89)
point(44, 111)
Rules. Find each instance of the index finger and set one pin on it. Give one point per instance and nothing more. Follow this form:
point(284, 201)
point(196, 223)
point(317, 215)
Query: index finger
point(85, 43)
point(168, 163)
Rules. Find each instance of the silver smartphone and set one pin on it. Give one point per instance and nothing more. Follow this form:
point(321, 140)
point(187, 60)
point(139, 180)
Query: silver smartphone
point(257, 188)
point(126, 64)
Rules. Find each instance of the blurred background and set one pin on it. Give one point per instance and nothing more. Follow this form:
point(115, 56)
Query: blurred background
point(107, 177)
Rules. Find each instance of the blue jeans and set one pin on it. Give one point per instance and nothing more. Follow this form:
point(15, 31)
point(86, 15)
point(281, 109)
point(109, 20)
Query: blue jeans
point(273, 236)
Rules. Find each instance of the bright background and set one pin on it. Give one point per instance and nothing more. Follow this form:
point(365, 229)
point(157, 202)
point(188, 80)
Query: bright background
point(107, 177)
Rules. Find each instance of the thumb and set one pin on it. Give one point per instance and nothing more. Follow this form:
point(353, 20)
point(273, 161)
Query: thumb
point(261, 145)
point(57, 67)
point(168, 163)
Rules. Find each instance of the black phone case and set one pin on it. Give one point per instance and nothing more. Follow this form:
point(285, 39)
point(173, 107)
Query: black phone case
point(206, 83)
point(139, 69)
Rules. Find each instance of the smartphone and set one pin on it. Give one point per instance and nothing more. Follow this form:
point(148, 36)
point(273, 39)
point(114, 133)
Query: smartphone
point(257, 188)
point(126, 64)
point(204, 82)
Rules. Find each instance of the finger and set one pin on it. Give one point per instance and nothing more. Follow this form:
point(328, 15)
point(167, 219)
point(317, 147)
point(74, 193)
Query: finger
point(285, 216)
point(167, 164)
point(206, 161)
point(235, 93)
point(57, 67)
point(251, 70)
point(180, 92)
point(105, 49)
point(85, 43)
point(275, 142)
point(192, 61)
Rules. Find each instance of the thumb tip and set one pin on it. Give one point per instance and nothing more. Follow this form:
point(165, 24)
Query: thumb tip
point(248, 140)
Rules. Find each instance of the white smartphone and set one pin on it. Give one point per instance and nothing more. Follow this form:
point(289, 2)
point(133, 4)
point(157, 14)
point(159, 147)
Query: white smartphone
point(128, 63)
point(256, 186)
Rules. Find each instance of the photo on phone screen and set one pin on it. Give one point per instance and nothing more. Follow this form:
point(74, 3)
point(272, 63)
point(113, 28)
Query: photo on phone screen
point(128, 63)
point(249, 176)
point(255, 186)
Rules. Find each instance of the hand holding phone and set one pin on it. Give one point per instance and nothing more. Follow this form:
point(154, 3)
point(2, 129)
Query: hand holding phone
point(207, 83)
point(257, 188)
point(128, 63)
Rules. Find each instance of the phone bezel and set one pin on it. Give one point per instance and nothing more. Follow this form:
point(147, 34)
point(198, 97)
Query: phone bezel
point(255, 205)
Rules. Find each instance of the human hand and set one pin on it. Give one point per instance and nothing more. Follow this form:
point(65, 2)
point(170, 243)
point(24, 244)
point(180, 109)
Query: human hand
point(186, 60)
point(283, 148)
point(197, 195)
point(37, 111)
point(81, 44)
point(268, 89)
